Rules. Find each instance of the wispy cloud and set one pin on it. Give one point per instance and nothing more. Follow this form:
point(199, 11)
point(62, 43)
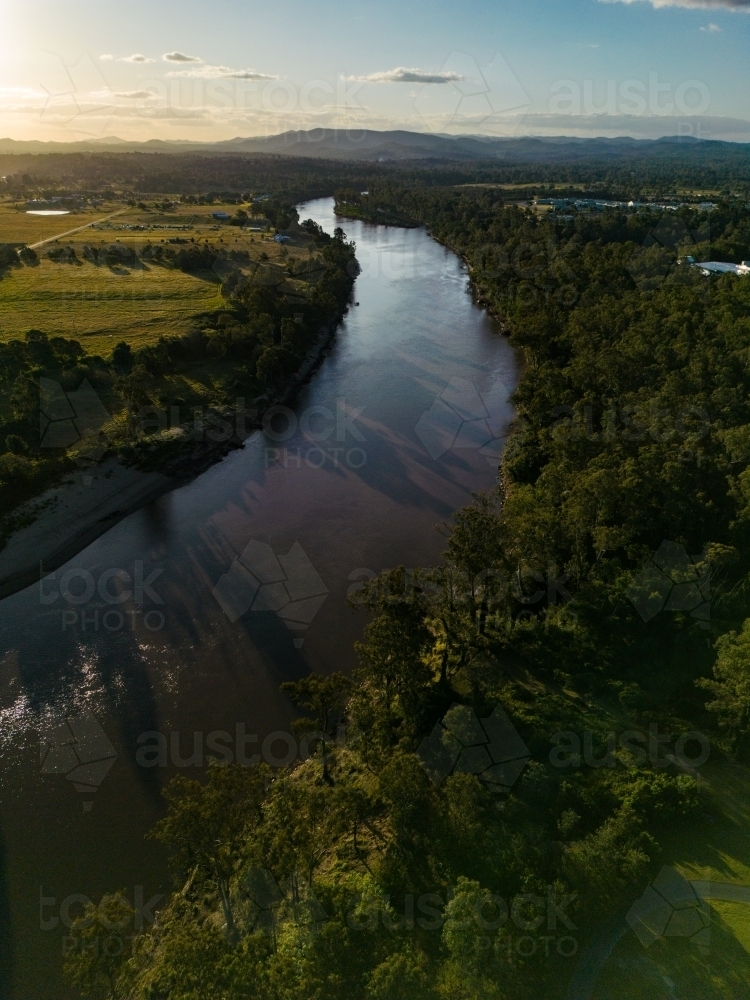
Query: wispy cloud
point(107, 57)
point(136, 58)
point(404, 75)
point(180, 57)
point(206, 72)
point(711, 27)
point(743, 5)
point(135, 95)
point(24, 92)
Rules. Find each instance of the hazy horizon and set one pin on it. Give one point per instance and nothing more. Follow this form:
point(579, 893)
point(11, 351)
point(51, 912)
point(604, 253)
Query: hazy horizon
point(638, 68)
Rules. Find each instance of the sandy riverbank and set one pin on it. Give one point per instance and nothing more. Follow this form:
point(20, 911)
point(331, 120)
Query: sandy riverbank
point(68, 517)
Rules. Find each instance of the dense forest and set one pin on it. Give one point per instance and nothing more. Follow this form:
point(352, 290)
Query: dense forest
point(654, 171)
point(468, 815)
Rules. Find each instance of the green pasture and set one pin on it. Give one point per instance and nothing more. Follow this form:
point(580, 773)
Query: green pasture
point(717, 850)
point(101, 305)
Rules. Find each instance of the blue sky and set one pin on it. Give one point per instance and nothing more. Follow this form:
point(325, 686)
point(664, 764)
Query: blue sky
point(75, 69)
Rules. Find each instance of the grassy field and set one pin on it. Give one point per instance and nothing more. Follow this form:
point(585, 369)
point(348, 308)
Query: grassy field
point(674, 968)
point(101, 305)
point(16, 226)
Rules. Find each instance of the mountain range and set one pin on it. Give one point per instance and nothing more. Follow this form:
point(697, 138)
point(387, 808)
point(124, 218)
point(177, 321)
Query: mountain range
point(399, 145)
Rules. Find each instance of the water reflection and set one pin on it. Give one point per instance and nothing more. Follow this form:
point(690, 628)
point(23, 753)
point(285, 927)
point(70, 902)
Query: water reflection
point(369, 503)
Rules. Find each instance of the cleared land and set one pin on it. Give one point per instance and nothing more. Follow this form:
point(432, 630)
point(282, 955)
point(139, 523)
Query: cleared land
point(674, 967)
point(100, 305)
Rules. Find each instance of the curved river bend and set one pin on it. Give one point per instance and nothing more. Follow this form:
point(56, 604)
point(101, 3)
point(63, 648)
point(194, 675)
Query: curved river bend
point(404, 419)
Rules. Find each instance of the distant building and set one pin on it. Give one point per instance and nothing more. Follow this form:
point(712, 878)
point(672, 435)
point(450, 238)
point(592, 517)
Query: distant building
point(281, 238)
point(223, 216)
point(721, 267)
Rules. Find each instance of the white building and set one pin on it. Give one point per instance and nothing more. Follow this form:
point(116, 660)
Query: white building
point(720, 267)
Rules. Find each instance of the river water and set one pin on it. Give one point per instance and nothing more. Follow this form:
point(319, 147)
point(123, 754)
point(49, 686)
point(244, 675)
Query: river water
point(206, 600)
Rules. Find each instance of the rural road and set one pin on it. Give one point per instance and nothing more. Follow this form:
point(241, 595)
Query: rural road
point(51, 239)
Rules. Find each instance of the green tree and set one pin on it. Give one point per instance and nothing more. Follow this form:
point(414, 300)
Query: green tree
point(207, 826)
point(324, 696)
point(101, 947)
point(134, 389)
point(24, 398)
point(731, 685)
point(402, 976)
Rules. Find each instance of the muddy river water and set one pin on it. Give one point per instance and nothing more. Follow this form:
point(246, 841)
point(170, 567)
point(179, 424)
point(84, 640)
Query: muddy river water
point(184, 619)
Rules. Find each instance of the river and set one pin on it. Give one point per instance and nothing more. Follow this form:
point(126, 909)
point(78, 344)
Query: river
point(206, 600)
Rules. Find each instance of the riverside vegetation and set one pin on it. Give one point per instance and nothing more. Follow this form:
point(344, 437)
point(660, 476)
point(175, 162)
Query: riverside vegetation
point(633, 429)
point(224, 320)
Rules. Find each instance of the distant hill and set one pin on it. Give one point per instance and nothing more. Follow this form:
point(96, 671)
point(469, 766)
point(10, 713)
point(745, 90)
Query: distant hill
point(399, 145)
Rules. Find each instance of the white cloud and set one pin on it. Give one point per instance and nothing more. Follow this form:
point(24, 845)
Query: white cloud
point(107, 57)
point(180, 57)
point(136, 94)
point(711, 27)
point(694, 4)
point(24, 92)
point(249, 74)
point(206, 72)
point(403, 75)
point(136, 58)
